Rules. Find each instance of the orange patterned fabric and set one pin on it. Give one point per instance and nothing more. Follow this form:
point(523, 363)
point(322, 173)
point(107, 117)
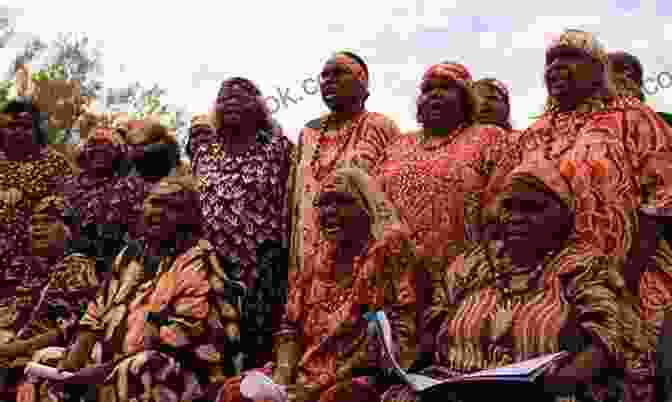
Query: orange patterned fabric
point(427, 181)
point(364, 144)
point(447, 71)
point(611, 150)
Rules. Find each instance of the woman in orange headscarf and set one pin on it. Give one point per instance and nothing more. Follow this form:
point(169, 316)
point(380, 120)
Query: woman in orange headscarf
point(434, 175)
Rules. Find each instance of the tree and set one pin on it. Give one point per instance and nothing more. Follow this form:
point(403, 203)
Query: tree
point(144, 102)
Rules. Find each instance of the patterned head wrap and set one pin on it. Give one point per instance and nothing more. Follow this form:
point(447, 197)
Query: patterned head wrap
point(356, 182)
point(581, 40)
point(353, 63)
point(539, 176)
point(452, 72)
point(448, 71)
point(105, 135)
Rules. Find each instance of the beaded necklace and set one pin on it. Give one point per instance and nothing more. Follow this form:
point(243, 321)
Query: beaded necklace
point(425, 140)
point(321, 170)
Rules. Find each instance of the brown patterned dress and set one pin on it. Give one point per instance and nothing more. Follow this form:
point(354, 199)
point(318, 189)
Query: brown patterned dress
point(36, 178)
point(482, 321)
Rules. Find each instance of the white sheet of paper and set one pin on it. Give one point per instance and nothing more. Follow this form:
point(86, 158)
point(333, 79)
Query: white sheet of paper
point(258, 386)
point(48, 372)
point(522, 369)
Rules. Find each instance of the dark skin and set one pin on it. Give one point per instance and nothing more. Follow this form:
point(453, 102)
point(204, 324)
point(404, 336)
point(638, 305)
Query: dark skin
point(622, 65)
point(238, 114)
point(342, 92)
point(165, 209)
point(442, 106)
point(18, 137)
point(493, 108)
point(48, 238)
point(20, 146)
point(48, 235)
point(345, 222)
point(572, 76)
point(540, 219)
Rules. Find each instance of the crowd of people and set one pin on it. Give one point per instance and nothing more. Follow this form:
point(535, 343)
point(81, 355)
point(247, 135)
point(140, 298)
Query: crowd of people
point(138, 276)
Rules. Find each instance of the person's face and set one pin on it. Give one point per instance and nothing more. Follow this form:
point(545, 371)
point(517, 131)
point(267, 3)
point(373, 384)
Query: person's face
point(341, 217)
point(536, 220)
point(624, 68)
point(441, 103)
point(570, 74)
point(165, 212)
point(236, 102)
point(338, 85)
point(493, 106)
point(18, 135)
point(48, 234)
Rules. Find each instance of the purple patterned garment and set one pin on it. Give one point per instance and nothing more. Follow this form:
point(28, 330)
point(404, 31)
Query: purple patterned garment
point(91, 197)
point(244, 198)
point(126, 202)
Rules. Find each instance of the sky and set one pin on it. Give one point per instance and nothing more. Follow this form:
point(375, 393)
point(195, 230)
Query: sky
point(190, 47)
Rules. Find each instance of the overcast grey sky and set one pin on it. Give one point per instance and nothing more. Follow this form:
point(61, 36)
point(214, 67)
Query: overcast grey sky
point(189, 47)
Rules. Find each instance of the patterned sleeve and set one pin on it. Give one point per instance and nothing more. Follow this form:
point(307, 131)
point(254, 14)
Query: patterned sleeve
point(605, 195)
point(60, 170)
point(649, 139)
point(379, 132)
point(597, 292)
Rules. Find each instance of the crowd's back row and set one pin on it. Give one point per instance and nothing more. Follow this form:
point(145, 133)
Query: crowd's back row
point(159, 280)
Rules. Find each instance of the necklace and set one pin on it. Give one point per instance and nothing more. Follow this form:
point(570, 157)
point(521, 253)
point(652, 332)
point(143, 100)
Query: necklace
point(425, 140)
point(321, 170)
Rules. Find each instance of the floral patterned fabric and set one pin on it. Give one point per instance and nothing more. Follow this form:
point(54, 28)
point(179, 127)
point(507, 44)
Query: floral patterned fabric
point(36, 179)
point(244, 199)
point(126, 202)
point(431, 182)
point(190, 289)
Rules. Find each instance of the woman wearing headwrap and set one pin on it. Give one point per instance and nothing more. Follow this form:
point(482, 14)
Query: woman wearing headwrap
point(163, 326)
point(347, 133)
point(616, 145)
point(29, 171)
point(50, 287)
point(357, 268)
point(243, 164)
point(433, 175)
point(502, 301)
point(154, 153)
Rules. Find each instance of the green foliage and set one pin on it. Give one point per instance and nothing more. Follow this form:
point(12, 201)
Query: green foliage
point(53, 72)
point(55, 136)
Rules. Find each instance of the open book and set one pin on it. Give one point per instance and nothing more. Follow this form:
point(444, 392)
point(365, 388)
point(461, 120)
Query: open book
point(524, 372)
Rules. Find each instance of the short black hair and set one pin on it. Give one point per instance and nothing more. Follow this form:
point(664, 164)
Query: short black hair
point(25, 105)
point(356, 58)
point(629, 59)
